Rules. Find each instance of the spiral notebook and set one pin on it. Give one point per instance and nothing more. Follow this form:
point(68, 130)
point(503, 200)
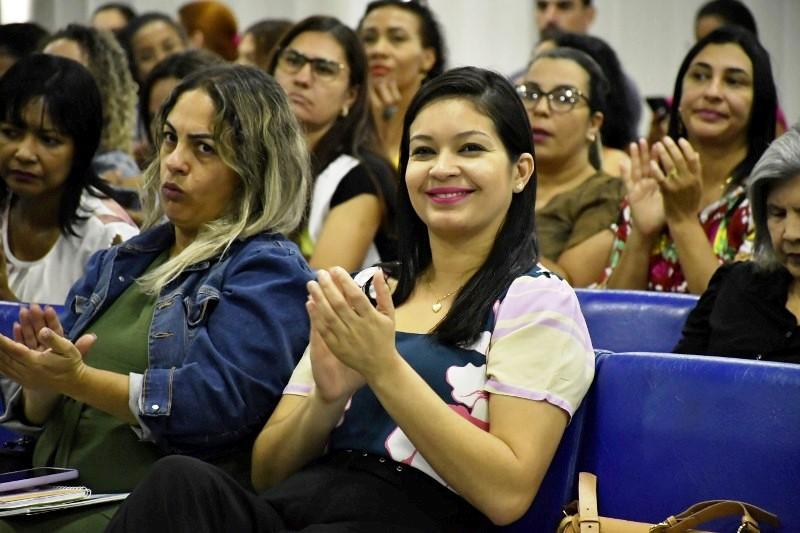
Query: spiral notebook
point(52, 498)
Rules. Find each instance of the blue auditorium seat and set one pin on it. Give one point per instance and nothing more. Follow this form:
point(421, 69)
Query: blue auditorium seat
point(634, 321)
point(664, 431)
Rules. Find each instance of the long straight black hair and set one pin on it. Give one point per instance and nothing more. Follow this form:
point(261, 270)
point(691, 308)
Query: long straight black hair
point(71, 99)
point(514, 251)
point(761, 129)
point(353, 134)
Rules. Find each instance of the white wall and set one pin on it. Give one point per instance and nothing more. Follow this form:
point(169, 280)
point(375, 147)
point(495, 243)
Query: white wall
point(650, 36)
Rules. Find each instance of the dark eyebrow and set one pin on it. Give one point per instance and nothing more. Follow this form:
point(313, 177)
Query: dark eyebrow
point(193, 136)
point(732, 70)
point(313, 58)
point(423, 137)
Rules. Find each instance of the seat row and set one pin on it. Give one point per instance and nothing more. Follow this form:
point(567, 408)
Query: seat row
point(663, 431)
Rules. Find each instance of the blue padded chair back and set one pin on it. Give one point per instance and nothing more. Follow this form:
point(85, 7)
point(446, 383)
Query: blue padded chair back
point(9, 313)
point(634, 321)
point(665, 431)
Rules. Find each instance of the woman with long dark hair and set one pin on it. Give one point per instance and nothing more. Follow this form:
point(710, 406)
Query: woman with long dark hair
point(687, 210)
point(405, 48)
point(321, 65)
point(56, 211)
point(431, 401)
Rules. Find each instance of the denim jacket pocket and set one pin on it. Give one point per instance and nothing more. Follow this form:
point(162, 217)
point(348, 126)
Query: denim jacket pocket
point(80, 304)
point(200, 306)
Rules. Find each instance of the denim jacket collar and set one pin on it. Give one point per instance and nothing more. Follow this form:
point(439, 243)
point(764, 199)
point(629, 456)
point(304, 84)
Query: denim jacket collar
point(160, 238)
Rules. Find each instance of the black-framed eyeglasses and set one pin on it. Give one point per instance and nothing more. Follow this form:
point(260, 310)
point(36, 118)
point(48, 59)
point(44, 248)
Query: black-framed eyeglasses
point(291, 61)
point(562, 99)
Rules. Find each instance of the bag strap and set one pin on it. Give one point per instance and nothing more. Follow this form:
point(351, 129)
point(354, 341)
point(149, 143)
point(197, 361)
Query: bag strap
point(707, 511)
point(684, 522)
point(587, 503)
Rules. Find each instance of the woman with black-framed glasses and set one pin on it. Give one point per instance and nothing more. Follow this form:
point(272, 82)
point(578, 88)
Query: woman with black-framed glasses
point(565, 93)
point(321, 65)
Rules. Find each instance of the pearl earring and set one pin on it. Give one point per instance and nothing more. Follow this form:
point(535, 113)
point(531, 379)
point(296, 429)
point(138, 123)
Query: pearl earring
point(345, 111)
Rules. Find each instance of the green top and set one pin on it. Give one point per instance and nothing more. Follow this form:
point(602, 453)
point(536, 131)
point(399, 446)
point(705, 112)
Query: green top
point(106, 451)
point(572, 216)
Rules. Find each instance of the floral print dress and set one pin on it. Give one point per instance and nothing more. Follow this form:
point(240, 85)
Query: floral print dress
point(727, 224)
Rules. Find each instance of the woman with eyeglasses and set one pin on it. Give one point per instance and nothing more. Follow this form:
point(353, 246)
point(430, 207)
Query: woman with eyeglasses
point(322, 68)
point(405, 48)
point(565, 93)
point(686, 210)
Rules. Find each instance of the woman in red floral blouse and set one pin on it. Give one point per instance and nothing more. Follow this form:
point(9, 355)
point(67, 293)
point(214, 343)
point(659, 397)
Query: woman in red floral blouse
point(686, 211)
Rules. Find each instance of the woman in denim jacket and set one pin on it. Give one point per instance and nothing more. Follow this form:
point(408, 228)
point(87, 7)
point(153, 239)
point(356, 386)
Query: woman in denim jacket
point(195, 325)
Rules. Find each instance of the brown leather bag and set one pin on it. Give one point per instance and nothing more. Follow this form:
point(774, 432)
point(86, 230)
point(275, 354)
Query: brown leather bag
point(582, 515)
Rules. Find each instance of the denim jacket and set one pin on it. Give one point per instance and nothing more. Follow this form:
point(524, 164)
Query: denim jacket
point(224, 339)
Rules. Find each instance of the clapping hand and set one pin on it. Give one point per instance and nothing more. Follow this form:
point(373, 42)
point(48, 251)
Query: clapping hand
point(346, 325)
point(31, 321)
point(39, 357)
point(644, 195)
point(681, 182)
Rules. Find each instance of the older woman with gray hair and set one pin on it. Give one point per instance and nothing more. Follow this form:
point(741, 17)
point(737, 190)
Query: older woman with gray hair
point(751, 309)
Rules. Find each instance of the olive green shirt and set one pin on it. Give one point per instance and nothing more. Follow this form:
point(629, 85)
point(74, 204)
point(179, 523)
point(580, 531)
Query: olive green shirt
point(573, 216)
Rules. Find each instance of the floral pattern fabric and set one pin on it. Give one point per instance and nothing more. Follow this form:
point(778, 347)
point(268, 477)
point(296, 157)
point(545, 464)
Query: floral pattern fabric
point(727, 224)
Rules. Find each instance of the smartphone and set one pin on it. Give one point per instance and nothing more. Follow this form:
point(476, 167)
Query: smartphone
point(34, 477)
point(658, 105)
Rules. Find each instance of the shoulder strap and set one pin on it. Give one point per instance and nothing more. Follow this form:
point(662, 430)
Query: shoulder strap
point(707, 511)
point(587, 502)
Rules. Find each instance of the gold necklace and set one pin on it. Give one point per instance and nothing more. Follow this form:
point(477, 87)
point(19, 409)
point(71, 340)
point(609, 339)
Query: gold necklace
point(437, 305)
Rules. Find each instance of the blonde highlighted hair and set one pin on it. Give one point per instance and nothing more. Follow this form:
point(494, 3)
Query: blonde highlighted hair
point(256, 135)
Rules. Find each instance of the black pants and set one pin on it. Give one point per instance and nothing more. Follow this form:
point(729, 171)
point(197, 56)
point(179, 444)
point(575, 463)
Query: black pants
point(344, 491)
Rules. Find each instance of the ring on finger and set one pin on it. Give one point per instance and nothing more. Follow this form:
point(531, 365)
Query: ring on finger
point(672, 174)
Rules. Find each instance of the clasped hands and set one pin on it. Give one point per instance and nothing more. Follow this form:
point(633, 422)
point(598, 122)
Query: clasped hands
point(664, 183)
point(352, 341)
point(39, 357)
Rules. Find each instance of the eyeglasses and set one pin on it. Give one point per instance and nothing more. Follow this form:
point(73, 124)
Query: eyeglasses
point(291, 61)
point(560, 100)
